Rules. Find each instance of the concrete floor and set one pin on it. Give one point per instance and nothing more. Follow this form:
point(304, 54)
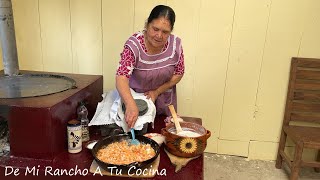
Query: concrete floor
point(217, 167)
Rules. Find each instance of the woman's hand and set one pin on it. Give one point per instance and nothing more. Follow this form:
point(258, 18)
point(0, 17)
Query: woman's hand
point(163, 88)
point(131, 114)
point(132, 111)
point(152, 94)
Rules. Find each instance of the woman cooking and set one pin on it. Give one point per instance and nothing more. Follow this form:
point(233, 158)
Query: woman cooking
point(152, 62)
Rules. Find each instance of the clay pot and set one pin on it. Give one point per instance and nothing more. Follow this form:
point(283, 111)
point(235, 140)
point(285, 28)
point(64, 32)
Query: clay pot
point(186, 146)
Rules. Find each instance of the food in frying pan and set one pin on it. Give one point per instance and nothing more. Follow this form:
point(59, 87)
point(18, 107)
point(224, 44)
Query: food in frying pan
point(121, 153)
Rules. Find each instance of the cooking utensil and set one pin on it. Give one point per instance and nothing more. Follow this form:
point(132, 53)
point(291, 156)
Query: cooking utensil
point(186, 146)
point(133, 141)
point(175, 119)
point(33, 85)
point(125, 167)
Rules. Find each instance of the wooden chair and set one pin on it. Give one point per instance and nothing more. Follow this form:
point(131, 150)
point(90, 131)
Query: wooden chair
point(303, 105)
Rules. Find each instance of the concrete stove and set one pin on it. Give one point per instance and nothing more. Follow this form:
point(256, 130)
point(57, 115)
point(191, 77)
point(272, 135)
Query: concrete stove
point(38, 125)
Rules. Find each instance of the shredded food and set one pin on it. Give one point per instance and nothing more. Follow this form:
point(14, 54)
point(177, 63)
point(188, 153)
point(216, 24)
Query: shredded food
point(121, 153)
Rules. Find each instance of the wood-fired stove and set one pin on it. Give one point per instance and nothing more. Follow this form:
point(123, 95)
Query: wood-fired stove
point(38, 125)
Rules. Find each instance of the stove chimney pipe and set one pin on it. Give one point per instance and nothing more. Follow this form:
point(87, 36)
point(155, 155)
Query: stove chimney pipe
point(8, 40)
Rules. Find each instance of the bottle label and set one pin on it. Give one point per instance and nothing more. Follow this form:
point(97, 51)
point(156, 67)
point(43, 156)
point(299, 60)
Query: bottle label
point(74, 139)
point(85, 133)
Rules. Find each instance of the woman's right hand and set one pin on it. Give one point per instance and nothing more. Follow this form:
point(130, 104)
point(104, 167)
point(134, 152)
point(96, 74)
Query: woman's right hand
point(131, 114)
point(132, 111)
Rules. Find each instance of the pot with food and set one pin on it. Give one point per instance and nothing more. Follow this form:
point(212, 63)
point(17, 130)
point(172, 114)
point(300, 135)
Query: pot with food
point(117, 152)
point(191, 142)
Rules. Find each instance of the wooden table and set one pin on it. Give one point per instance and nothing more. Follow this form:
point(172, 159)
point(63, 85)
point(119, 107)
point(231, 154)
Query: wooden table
point(193, 170)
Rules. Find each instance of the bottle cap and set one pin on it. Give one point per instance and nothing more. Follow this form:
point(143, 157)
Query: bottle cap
point(73, 122)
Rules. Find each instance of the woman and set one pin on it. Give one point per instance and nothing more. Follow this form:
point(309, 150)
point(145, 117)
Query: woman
point(152, 62)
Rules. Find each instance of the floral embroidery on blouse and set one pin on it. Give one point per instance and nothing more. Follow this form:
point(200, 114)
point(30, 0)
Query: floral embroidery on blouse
point(127, 62)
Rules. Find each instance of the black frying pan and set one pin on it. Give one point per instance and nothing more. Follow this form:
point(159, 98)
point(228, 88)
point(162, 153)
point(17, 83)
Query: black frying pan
point(117, 138)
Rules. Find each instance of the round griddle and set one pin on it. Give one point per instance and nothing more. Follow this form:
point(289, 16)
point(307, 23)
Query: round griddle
point(32, 85)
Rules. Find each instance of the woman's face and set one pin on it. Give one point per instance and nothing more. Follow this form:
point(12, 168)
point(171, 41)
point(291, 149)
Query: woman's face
point(158, 31)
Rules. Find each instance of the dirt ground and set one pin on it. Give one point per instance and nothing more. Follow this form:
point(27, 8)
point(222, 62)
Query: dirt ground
point(217, 167)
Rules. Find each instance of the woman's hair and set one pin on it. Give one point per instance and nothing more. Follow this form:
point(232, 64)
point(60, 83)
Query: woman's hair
point(162, 11)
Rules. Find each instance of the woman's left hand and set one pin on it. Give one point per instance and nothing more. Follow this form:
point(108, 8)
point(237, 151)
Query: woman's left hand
point(152, 94)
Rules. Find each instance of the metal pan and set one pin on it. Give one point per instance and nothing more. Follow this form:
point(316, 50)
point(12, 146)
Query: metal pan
point(117, 138)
